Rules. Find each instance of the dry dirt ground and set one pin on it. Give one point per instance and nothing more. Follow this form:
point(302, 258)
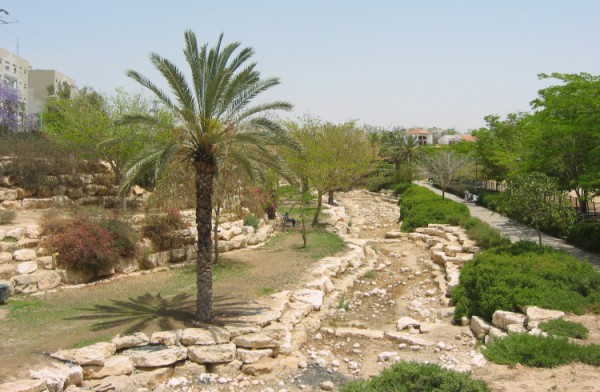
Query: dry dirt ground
point(402, 284)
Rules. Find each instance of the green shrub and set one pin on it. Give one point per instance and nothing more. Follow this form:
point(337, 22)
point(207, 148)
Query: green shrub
point(7, 216)
point(482, 233)
point(252, 220)
point(379, 182)
point(416, 377)
point(420, 206)
point(401, 187)
point(123, 235)
point(82, 245)
point(585, 235)
point(560, 327)
point(540, 351)
point(158, 226)
point(511, 276)
point(487, 198)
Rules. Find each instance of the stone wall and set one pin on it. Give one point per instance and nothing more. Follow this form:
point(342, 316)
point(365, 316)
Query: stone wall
point(29, 268)
point(96, 187)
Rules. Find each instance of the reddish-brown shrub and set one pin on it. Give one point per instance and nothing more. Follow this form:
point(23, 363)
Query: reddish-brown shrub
point(84, 245)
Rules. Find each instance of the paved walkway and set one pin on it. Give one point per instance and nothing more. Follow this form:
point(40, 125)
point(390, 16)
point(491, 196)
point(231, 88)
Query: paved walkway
point(517, 231)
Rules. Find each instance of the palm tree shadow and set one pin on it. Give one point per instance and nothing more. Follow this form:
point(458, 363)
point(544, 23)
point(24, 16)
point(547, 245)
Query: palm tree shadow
point(168, 312)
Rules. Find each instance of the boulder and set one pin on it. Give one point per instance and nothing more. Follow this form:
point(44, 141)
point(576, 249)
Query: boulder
point(502, 319)
point(128, 341)
point(479, 326)
point(189, 369)
point(156, 356)
point(205, 336)
point(323, 284)
point(38, 203)
point(59, 376)
point(5, 257)
point(238, 329)
point(394, 234)
point(46, 262)
point(158, 259)
point(95, 354)
point(167, 338)
point(117, 365)
point(33, 231)
point(407, 322)
point(27, 267)
point(263, 366)
point(24, 386)
point(255, 340)
point(309, 296)
point(7, 271)
point(217, 353)
point(25, 284)
point(24, 255)
point(252, 356)
point(7, 194)
point(539, 314)
point(48, 280)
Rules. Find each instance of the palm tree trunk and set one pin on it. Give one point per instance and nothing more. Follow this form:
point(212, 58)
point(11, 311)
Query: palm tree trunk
point(216, 232)
point(205, 173)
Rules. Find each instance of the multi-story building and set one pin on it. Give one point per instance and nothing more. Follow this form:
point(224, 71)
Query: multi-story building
point(14, 71)
point(34, 85)
point(42, 84)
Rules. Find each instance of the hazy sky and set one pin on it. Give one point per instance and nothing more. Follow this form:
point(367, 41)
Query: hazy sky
point(412, 63)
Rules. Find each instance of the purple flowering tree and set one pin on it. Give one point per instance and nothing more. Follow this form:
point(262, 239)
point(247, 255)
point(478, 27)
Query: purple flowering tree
point(12, 112)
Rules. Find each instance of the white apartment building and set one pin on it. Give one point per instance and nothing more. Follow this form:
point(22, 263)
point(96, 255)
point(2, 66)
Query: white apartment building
point(14, 71)
point(34, 85)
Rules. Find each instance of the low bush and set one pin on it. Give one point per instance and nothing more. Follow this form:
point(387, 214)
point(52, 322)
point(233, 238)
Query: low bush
point(7, 217)
point(123, 235)
point(420, 206)
point(482, 233)
point(402, 187)
point(487, 198)
point(377, 183)
point(417, 377)
point(84, 244)
point(585, 235)
point(569, 329)
point(510, 276)
point(540, 351)
point(159, 225)
point(252, 220)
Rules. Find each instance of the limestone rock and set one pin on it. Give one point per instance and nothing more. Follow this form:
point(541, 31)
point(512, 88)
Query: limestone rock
point(27, 267)
point(407, 338)
point(129, 341)
point(25, 284)
point(7, 271)
point(24, 255)
point(188, 369)
point(205, 336)
point(309, 296)
point(117, 365)
point(538, 314)
point(95, 354)
point(479, 326)
point(407, 322)
point(502, 319)
point(49, 279)
point(167, 338)
point(394, 234)
point(157, 356)
point(217, 353)
point(323, 284)
point(59, 376)
point(237, 329)
point(358, 332)
point(263, 366)
point(5, 257)
point(24, 386)
point(252, 356)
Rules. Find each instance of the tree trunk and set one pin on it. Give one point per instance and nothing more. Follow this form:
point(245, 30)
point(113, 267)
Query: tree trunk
point(318, 210)
point(304, 184)
point(539, 233)
point(216, 233)
point(303, 232)
point(205, 173)
point(330, 198)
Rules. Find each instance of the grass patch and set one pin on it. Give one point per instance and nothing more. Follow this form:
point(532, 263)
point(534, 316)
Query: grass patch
point(369, 274)
point(7, 216)
point(264, 291)
point(321, 243)
point(508, 277)
point(343, 303)
point(560, 327)
point(416, 377)
point(21, 306)
point(540, 351)
point(226, 268)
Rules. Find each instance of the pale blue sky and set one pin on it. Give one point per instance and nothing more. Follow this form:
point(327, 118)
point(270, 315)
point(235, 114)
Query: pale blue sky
point(412, 63)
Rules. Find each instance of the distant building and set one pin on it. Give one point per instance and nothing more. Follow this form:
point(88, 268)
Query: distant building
point(14, 71)
point(424, 137)
point(42, 84)
point(34, 85)
point(451, 139)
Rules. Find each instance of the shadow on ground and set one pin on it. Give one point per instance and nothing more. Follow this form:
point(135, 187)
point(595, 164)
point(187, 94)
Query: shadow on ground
point(167, 312)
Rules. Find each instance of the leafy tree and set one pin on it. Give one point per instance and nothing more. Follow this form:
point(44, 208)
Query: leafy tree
point(499, 146)
point(535, 199)
point(443, 166)
point(218, 124)
point(90, 124)
point(333, 156)
point(565, 137)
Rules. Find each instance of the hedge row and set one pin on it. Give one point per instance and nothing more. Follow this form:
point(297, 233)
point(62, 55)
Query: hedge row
point(509, 277)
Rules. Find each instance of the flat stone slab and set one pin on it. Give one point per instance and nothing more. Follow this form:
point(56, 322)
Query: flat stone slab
point(95, 354)
point(156, 358)
point(358, 332)
point(205, 336)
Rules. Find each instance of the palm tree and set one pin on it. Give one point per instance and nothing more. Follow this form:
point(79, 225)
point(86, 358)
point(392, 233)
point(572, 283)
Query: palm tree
point(398, 147)
point(217, 123)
